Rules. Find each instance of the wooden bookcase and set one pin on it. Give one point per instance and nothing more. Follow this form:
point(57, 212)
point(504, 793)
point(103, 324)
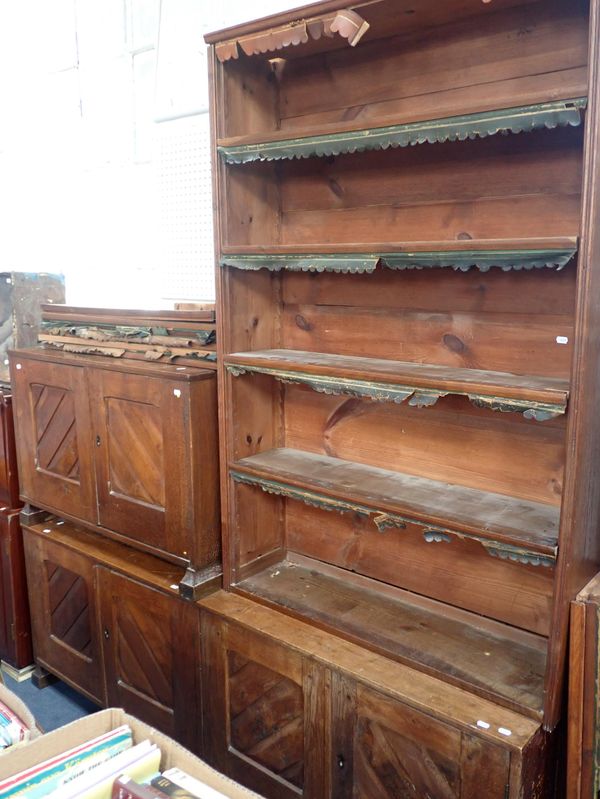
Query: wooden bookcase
point(409, 324)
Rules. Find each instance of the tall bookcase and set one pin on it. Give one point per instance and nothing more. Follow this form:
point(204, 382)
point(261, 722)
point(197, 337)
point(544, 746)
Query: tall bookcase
point(406, 205)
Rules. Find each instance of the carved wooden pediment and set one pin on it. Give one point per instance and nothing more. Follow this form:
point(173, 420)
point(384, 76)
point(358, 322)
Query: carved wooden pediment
point(347, 23)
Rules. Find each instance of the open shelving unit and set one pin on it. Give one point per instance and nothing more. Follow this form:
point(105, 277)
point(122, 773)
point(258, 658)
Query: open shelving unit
point(408, 333)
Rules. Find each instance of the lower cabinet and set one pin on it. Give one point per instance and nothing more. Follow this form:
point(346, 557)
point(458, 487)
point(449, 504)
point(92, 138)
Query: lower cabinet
point(290, 710)
point(108, 620)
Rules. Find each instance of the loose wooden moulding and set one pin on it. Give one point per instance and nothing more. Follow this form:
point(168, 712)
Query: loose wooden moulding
point(346, 22)
point(405, 259)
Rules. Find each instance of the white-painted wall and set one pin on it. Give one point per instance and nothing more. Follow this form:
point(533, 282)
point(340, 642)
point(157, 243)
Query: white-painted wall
point(104, 159)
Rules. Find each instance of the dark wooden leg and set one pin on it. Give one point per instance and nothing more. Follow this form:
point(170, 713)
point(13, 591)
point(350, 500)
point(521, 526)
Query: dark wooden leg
point(31, 515)
point(196, 583)
point(42, 678)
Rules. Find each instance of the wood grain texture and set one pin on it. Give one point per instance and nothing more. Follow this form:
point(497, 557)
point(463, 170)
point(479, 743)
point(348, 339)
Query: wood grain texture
point(535, 293)
point(253, 712)
point(500, 60)
point(460, 573)
point(487, 189)
point(420, 375)
point(528, 457)
point(62, 596)
point(15, 620)
point(149, 645)
point(417, 690)
point(266, 718)
point(376, 743)
point(583, 774)
point(457, 650)
point(9, 478)
point(579, 541)
point(52, 424)
point(503, 343)
point(489, 515)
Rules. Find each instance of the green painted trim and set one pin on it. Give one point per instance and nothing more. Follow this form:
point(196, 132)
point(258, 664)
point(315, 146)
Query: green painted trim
point(384, 520)
point(390, 392)
point(355, 264)
point(560, 113)
point(462, 261)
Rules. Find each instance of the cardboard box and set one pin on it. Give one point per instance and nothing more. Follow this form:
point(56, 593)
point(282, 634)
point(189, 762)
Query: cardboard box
point(20, 709)
point(173, 754)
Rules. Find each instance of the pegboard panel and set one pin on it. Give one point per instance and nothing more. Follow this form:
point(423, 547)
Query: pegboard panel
point(185, 209)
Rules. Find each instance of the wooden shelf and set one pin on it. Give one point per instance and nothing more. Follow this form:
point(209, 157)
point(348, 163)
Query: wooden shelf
point(488, 658)
point(460, 255)
point(559, 113)
point(538, 398)
point(508, 528)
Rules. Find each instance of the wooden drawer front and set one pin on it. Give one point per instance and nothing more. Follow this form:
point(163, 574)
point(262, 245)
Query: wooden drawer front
point(139, 434)
point(52, 427)
point(63, 608)
point(385, 749)
point(150, 641)
point(267, 697)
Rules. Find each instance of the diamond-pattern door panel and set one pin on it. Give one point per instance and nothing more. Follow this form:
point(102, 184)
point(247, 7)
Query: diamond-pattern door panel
point(135, 446)
point(266, 713)
point(55, 429)
point(388, 764)
point(150, 640)
point(69, 608)
point(144, 651)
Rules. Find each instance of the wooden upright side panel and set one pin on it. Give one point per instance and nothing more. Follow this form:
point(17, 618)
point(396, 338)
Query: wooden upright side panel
point(583, 763)
point(15, 623)
point(579, 543)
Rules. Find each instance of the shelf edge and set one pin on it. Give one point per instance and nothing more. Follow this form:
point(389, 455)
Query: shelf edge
point(384, 520)
point(390, 392)
point(520, 119)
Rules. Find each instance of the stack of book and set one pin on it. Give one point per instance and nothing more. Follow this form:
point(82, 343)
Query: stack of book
point(13, 730)
point(109, 766)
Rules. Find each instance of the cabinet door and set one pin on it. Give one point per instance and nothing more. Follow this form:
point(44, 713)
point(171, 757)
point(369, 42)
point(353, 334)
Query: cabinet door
point(385, 749)
point(151, 647)
point(62, 596)
point(52, 423)
point(141, 458)
point(265, 715)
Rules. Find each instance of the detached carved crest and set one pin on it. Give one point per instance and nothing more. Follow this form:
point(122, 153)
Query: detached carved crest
point(347, 23)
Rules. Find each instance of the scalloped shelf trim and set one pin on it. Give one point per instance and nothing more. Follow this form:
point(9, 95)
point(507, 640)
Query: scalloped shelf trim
point(390, 392)
point(523, 119)
point(385, 521)
point(460, 261)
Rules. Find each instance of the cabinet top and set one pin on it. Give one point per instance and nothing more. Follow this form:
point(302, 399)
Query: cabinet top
point(150, 369)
